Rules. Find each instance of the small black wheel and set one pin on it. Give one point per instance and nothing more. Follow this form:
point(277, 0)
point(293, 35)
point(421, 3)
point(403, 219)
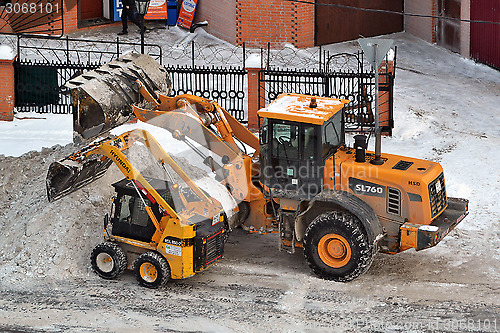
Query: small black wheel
point(336, 247)
point(152, 270)
point(108, 260)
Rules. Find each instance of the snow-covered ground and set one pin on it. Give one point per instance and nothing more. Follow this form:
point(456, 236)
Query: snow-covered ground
point(445, 110)
point(33, 131)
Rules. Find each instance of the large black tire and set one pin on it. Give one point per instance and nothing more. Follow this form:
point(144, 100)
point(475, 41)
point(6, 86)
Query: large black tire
point(108, 260)
point(152, 270)
point(336, 246)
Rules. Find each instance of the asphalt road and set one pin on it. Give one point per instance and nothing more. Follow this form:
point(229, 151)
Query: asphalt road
point(256, 288)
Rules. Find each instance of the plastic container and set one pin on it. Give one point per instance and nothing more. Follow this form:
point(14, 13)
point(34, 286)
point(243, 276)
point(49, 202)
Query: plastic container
point(172, 12)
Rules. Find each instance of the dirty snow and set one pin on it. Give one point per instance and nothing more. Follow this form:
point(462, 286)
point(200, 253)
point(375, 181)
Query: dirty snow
point(446, 110)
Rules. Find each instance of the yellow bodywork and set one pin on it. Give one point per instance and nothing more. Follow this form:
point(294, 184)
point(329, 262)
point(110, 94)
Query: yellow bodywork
point(173, 224)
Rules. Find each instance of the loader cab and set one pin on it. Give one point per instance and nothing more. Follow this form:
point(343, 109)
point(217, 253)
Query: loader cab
point(130, 218)
point(298, 134)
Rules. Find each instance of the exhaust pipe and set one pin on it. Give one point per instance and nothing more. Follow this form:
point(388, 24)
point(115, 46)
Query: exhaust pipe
point(360, 146)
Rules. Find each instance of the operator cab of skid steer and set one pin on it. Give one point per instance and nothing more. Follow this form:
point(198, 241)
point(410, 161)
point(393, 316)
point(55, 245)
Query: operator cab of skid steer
point(295, 142)
point(130, 218)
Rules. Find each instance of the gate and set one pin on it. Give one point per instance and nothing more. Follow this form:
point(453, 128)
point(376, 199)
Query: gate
point(38, 86)
point(44, 64)
point(448, 28)
point(335, 24)
point(485, 37)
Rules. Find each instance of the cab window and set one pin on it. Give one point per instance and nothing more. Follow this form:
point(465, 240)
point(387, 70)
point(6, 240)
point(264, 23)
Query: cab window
point(332, 135)
point(285, 141)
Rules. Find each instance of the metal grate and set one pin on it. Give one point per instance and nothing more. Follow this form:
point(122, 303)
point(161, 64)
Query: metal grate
point(213, 248)
point(225, 85)
point(402, 165)
point(437, 195)
point(393, 201)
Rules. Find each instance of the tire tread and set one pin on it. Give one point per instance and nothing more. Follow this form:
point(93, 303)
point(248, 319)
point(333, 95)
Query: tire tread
point(349, 223)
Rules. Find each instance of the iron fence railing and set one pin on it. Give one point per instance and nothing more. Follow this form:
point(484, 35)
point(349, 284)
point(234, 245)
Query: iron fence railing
point(67, 50)
point(45, 63)
point(225, 85)
point(38, 85)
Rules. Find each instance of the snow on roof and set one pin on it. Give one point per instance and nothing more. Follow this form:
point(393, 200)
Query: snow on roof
point(297, 107)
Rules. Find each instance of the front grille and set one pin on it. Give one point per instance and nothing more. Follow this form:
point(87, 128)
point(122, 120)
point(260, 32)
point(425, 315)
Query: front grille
point(213, 248)
point(437, 195)
point(393, 201)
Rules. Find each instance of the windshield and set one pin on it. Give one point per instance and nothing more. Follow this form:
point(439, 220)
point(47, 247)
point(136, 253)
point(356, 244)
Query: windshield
point(185, 158)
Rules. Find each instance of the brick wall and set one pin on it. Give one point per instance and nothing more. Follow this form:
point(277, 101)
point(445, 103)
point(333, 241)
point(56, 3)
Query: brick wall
point(419, 26)
point(465, 29)
point(7, 92)
point(303, 25)
point(221, 17)
point(274, 21)
point(70, 16)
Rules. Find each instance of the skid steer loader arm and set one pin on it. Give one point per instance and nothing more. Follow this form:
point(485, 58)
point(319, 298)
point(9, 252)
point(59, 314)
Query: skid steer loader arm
point(90, 163)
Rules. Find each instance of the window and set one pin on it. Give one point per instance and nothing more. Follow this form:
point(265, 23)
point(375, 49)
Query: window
point(310, 142)
point(132, 211)
point(332, 135)
point(263, 132)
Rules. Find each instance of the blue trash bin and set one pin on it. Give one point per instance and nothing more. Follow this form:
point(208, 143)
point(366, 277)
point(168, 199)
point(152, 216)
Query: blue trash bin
point(172, 12)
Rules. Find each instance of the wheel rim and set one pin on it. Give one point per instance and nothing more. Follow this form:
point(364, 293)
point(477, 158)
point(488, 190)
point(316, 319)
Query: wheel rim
point(105, 262)
point(334, 250)
point(148, 272)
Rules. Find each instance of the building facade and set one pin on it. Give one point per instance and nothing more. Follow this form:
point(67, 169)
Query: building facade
point(303, 24)
point(479, 40)
point(257, 23)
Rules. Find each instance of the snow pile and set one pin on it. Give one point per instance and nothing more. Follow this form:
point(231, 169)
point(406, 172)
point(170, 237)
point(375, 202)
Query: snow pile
point(54, 240)
point(42, 239)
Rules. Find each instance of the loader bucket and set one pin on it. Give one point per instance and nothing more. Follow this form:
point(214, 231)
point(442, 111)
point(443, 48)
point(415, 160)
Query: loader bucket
point(102, 97)
point(67, 176)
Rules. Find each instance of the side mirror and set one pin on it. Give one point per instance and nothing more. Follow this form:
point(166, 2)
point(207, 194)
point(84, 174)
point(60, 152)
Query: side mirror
point(106, 221)
point(263, 135)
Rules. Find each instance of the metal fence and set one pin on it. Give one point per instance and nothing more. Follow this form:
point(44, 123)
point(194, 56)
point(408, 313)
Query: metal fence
point(225, 85)
point(45, 63)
